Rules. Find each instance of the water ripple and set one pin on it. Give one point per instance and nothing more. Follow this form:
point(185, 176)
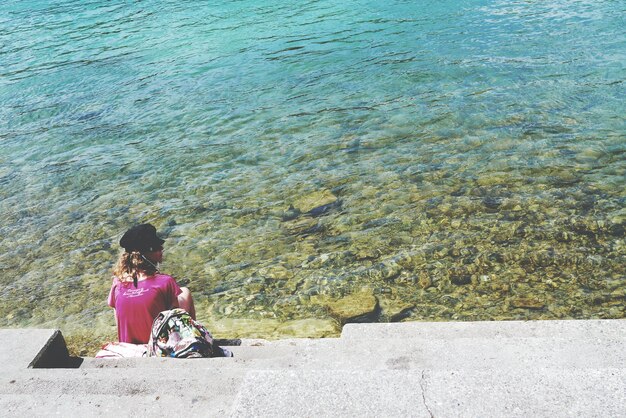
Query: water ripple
point(473, 138)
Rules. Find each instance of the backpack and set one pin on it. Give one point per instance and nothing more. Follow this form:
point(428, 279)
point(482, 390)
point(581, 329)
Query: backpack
point(176, 334)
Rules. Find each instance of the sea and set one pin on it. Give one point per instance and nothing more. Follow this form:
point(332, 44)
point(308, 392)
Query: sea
point(316, 162)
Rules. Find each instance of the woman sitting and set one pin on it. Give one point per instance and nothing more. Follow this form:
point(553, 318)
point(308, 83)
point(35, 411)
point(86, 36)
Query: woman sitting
point(139, 291)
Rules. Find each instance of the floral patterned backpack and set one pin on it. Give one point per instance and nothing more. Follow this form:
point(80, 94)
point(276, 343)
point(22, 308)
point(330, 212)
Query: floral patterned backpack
point(176, 334)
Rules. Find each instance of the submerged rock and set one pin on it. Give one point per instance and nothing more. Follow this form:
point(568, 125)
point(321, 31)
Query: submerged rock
point(357, 307)
point(303, 226)
point(309, 328)
point(424, 281)
point(367, 254)
point(314, 200)
point(290, 214)
point(276, 273)
point(403, 313)
point(492, 203)
point(324, 209)
point(394, 310)
point(461, 279)
point(527, 303)
point(272, 328)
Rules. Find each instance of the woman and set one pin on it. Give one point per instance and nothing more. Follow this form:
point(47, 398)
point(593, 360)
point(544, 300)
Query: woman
point(139, 291)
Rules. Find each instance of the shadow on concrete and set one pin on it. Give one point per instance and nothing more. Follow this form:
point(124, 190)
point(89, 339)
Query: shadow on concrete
point(54, 355)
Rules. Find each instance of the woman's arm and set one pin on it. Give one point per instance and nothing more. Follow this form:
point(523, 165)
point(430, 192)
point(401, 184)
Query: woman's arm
point(186, 302)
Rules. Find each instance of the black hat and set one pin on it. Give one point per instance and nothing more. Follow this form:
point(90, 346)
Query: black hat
point(141, 238)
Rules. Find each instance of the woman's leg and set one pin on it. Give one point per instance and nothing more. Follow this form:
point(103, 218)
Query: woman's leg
point(185, 301)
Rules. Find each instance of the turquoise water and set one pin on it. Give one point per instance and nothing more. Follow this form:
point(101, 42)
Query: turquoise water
point(470, 155)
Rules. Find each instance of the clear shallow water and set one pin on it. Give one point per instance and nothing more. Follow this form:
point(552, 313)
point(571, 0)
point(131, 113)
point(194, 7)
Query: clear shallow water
point(471, 154)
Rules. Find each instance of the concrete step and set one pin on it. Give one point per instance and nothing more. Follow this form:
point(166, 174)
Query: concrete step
point(578, 329)
point(257, 350)
point(114, 391)
point(116, 405)
point(440, 393)
point(123, 381)
point(493, 392)
point(399, 353)
point(289, 342)
point(484, 352)
point(474, 352)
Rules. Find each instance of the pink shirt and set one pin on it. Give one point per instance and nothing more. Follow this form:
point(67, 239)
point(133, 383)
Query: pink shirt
point(136, 308)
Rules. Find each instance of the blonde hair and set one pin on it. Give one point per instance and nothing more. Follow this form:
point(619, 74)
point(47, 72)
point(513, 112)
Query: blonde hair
point(130, 264)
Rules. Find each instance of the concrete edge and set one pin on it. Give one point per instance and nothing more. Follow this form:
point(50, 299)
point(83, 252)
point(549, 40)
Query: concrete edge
point(471, 329)
point(54, 354)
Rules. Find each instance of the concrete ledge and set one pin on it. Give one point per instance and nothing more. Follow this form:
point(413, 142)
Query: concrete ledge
point(580, 329)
